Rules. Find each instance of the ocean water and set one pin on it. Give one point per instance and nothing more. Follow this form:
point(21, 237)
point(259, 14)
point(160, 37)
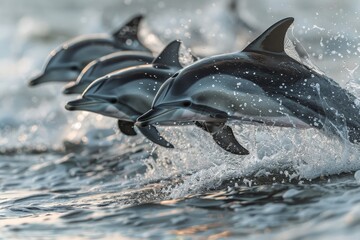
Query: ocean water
point(72, 175)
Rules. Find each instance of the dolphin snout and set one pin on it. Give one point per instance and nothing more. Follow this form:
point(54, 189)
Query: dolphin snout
point(154, 116)
point(55, 75)
point(36, 80)
point(74, 88)
point(178, 116)
point(145, 119)
point(72, 105)
point(68, 89)
point(81, 104)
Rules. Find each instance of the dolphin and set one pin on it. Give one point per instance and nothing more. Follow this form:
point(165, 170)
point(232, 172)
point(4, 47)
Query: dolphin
point(105, 65)
point(259, 85)
point(65, 63)
point(128, 93)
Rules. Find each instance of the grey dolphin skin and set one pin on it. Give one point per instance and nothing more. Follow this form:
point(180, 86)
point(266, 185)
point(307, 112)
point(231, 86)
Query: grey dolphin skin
point(260, 85)
point(128, 93)
point(105, 65)
point(66, 62)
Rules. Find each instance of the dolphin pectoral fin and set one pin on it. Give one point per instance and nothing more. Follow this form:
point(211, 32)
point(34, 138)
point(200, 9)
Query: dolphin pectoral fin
point(224, 137)
point(226, 140)
point(151, 133)
point(126, 128)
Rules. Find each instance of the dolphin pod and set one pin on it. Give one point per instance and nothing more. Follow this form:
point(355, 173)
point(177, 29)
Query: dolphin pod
point(259, 85)
point(128, 93)
point(66, 62)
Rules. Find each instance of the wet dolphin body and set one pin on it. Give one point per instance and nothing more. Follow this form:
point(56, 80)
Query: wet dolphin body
point(105, 65)
point(128, 93)
point(66, 62)
point(260, 85)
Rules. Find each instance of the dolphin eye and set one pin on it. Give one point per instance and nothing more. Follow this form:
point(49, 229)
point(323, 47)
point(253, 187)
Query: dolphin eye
point(186, 103)
point(175, 75)
point(113, 100)
point(74, 68)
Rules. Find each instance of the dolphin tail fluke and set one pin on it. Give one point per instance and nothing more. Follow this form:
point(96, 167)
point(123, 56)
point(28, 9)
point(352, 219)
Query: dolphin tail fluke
point(224, 137)
point(151, 133)
point(126, 128)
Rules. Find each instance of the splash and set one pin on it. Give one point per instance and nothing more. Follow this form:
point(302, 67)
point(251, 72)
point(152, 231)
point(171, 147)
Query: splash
point(278, 154)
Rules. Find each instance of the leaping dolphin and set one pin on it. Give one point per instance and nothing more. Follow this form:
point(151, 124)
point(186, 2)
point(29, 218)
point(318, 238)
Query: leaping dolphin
point(128, 93)
point(105, 65)
point(66, 62)
point(259, 85)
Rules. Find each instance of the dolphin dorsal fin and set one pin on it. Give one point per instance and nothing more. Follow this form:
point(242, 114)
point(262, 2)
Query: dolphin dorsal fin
point(272, 40)
point(169, 55)
point(129, 31)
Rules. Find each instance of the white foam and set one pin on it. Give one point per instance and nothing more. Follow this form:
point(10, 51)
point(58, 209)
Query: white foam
point(285, 153)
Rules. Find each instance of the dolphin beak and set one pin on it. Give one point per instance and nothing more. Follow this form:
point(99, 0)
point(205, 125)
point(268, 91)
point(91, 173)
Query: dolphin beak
point(84, 104)
point(96, 105)
point(36, 80)
point(54, 75)
point(177, 116)
point(154, 116)
point(74, 88)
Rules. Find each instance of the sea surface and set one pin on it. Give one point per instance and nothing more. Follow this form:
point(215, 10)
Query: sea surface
point(72, 175)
